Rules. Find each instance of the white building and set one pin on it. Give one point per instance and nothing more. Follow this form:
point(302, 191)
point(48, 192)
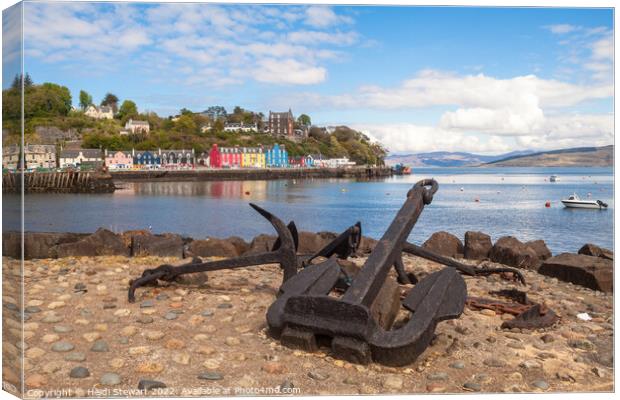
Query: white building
point(137, 126)
point(75, 158)
point(240, 127)
point(40, 156)
point(10, 156)
point(335, 163)
point(103, 112)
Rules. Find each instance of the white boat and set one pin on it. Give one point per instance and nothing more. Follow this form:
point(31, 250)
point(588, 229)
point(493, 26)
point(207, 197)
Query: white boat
point(553, 178)
point(574, 201)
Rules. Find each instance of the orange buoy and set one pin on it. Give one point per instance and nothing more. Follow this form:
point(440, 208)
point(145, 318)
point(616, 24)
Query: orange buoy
point(247, 193)
point(548, 204)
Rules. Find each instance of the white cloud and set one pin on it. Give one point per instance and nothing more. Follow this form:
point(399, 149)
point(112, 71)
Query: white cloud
point(289, 71)
point(603, 49)
point(560, 29)
point(225, 43)
point(323, 16)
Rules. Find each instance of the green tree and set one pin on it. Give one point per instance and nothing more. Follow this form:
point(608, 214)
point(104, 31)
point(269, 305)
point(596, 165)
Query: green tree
point(110, 100)
point(185, 111)
point(17, 82)
point(47, 100)
point(28, 81)
point(304, 120)
point(185, 124)
point(85, 99)
point(128, 109)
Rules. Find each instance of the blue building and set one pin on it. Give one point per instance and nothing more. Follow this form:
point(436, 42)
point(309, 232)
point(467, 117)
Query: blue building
point(146, 159)
point(276, 156)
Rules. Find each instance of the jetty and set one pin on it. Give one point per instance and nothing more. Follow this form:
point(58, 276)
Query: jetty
point(62, 182)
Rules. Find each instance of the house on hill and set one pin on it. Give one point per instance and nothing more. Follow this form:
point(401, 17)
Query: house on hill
point(103, 112)
point(282, 123)
point(137, 126)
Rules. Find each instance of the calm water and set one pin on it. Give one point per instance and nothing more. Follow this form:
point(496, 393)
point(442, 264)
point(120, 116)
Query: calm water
point(512, 202)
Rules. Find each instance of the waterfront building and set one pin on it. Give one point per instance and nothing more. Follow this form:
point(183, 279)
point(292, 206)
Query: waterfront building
point(40, 156)
point(297, 162)
point(118, 159)
point(215, 157)
point(10, 156)
point(146, 159)
point(252, 157)
point(177, 158)
point(336, 163)
point(240, 127)
point(103, 112)
point(276, 156)
point(80, 157)
point(137, 126)
point(281, 123)
point(203, 160)
point(231, 157)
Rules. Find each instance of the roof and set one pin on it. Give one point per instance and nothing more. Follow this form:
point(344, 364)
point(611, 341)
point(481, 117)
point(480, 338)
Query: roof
point(124, 152)
point(40, 148)
point(132, 122)
point(105, 109)
point(90, 153)
point(284, 114)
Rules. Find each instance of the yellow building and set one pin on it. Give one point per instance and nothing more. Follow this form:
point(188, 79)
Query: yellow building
point(252, 157)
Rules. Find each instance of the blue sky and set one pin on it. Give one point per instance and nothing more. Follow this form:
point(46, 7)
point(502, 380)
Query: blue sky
point(476, 79)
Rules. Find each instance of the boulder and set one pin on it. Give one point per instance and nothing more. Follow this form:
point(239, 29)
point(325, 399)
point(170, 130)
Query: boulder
point(367, 245)
point(478, 245)
point(590, 249)
point(261, 243)
point(310, 242)
point(36, 244)
point(510, 251)
point(101, 243)
point(445, 244)
point(212, 247)
point(128, 235)
point(589, 271)
point(12, 244)
point(540, 248)
point(166, 245)
point(241, 245)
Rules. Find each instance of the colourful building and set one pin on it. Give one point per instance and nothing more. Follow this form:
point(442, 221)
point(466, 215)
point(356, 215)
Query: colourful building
point(146, 159)
point(177, 158)
point(276, 156)
point(215, 157)
point(252, 157)
point(231, 157)
point(118, 159)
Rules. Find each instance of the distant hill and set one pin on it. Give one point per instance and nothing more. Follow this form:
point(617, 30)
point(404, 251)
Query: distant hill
point(448, 159)
point(575, 157)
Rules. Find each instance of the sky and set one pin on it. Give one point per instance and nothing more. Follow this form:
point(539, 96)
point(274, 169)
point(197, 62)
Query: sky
point(417, 79)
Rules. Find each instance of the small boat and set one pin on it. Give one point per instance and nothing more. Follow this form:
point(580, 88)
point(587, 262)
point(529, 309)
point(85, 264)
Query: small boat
point(401, 169)
point(553, 178)
point(574, 201)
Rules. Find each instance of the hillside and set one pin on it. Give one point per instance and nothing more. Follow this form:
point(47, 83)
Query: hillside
point(447, 159)
point(575, 157)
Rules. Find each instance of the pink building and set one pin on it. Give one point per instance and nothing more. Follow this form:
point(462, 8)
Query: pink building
point(118, 159)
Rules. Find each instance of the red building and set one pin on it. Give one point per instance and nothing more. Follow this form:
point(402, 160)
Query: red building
point(299, 161)
point(231, 157)
point(215, 158)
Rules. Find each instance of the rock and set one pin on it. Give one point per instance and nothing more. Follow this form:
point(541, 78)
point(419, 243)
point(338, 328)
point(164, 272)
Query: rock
point(147, 304)
point(36, 244)
point(241, 245)
point(181, 358)
point(101, 243)
point(510, 251)
point(153, 335)
point(457, 365)
point(261, 243)
point(540, 248)
point(211, 376)
point(472, 386)
point(477, 246)
point(547, 338)
point(540, 384)
point(592, 272)
point(91, 336)
point(32, 309)
point(212, 247)
point(35, 352)
point(52, 318)
point(232, 341)
point(36, 381)
point(367, 245)
point(79, 372)
point(122, 312)
point(50, 338)
point(170, 316)
point(146, 384)
point(273, 368)
point(56, 304)
point(166, 245)
point(139, 350)
point(62, 329)
point(116, 363)
point(149, 367)
point(175, 344)
point(145, 319)
point(110, 379)
point(224, 305)
point(75, 356)
point(487, 312)
point(286, 387)
point(129, 331)
point(445, 244)
point(393, 382)
point(318, 376)
point(494, 362)
point(100, 346)
point(593, 250)
point(530, 364)
point(52, 367)
point(439, 376)
point(310, 242)
point(61, 347)
point(581, 344)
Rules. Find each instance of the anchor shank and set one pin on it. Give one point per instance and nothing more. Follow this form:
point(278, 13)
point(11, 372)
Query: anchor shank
point(369, 280)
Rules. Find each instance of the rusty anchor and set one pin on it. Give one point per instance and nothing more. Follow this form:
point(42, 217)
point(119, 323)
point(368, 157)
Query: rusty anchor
point(284, 252)
point(304, 314)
